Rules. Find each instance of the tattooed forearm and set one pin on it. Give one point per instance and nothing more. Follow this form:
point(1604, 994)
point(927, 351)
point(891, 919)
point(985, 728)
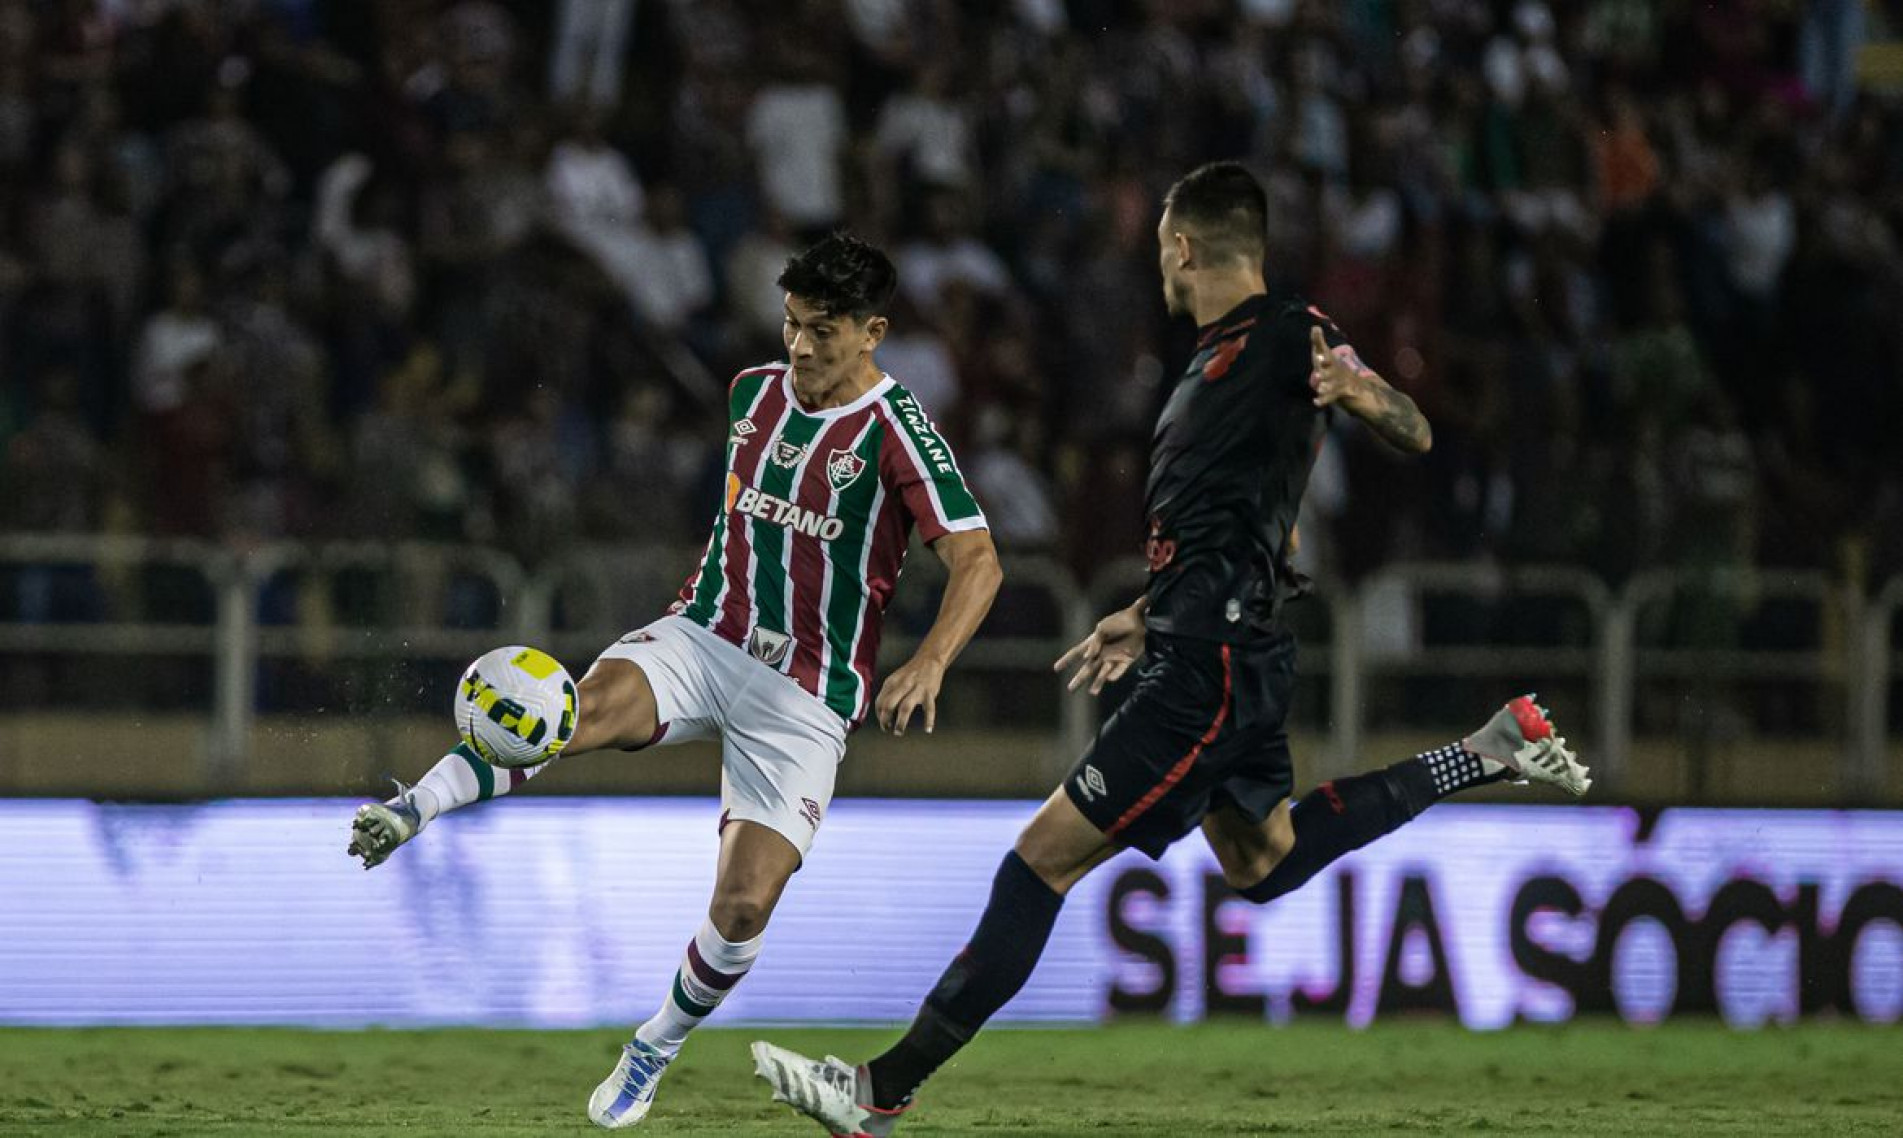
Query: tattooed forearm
point(1394, 418)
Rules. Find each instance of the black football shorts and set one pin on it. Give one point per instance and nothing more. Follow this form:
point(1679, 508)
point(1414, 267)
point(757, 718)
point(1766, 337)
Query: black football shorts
point(1203, 728)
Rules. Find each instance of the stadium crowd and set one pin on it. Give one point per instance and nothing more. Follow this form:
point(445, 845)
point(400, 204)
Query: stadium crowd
point(476, 271)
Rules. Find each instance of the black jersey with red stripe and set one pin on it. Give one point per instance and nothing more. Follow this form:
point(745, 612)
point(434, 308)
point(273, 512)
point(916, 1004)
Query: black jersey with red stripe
point(1228, 466)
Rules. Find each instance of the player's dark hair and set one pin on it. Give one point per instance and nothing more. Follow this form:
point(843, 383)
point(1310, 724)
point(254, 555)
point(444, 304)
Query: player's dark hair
point(1222, 205)
point(842, 275)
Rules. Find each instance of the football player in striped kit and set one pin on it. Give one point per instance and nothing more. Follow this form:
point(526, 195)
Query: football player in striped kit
point(831, 466)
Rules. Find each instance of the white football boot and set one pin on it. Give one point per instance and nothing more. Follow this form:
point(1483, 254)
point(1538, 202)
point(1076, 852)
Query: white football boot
point(831, 1092)
point(1520, 740)
point(380, 827)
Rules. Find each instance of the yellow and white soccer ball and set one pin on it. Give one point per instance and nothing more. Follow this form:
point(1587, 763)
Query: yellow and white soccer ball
point(516, 706)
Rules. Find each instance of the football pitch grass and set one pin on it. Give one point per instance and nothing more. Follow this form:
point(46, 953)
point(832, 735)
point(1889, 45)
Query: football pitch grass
point(1147, 1079)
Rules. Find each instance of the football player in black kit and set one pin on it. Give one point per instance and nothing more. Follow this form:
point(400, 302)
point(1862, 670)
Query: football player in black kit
point(1200, 742)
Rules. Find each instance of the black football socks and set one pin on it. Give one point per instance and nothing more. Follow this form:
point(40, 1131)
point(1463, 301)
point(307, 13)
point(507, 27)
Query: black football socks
point(1339, 817)
point(997, 961)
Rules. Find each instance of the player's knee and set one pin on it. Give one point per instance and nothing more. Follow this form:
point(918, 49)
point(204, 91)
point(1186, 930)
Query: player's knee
point(1246, 865)
point(1041, 862)
point(1061, 845)
point(1055, 862)
point(1242, 872)
point(740, 914)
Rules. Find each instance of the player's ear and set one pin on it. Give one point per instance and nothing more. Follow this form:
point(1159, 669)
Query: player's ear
point(1185, 250)
point(875, 331)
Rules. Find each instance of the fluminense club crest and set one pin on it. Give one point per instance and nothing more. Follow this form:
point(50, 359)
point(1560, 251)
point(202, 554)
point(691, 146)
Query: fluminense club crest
point(843, 468)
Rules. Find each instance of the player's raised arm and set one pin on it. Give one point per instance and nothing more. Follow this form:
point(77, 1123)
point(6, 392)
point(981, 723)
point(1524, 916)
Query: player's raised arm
point(975, 575)
point(1338, 377)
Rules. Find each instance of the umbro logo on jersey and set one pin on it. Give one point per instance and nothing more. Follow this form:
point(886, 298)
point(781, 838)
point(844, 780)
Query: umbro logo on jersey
point(843, 468)
point(744, 499)
point(810, 811)
point(1090, 784)
point(739, 435)
point(787, 455)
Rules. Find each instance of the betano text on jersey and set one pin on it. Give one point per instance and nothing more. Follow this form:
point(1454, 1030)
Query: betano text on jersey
point(818, 511)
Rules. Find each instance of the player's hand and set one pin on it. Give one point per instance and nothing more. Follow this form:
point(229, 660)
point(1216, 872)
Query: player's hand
point(913, 687)
point(1103, 656)
point(1332, 378)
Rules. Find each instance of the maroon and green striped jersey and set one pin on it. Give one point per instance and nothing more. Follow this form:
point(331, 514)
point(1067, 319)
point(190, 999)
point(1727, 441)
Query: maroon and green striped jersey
point(820, 507)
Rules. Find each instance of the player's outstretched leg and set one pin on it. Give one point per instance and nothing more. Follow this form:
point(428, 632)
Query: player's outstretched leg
point(613, 706)
point(1341, 816)
point(458, 779)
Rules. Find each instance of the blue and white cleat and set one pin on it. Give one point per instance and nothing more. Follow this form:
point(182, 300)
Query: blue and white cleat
point(623, 1098)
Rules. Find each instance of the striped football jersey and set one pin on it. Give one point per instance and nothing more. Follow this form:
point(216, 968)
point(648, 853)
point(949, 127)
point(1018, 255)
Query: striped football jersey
point(818, 512)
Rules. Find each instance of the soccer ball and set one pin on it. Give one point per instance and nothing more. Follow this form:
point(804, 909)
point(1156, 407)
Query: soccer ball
point(516, 706)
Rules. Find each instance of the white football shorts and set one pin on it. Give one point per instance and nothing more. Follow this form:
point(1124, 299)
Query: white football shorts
point(780, 747)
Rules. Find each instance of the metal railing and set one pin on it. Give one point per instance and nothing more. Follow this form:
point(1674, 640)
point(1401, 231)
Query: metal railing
point(585, 597)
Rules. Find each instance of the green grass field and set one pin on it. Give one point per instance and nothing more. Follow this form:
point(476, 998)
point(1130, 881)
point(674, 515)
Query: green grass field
point(1125, 1080)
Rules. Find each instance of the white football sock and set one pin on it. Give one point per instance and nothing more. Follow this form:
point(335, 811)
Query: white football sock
point(712, 966)
point(462, 777)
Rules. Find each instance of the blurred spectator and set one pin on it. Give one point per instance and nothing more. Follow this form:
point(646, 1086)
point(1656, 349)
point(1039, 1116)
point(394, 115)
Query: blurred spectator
point(175, 340)
point(359, 224)
point(591, 43)
point(669, 278)
point(468, 88)
point(1832, 31)
point(796, 129)
point(189, 455)
point(1321, 123)
point(923, 137)
point(362, 233)
point(1628, 165)
point(473, 217)
point(946, 252)
point(284, 444)
point(599, 205)
point(917, 356)
point(652, 467)
point(223, 180)
point(54, 469)
point(1760, 230)
point(411, 460)
point(1003, 469)
point(591, 185)
point(537, 504)
point(753, 291)
point(17, 116)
